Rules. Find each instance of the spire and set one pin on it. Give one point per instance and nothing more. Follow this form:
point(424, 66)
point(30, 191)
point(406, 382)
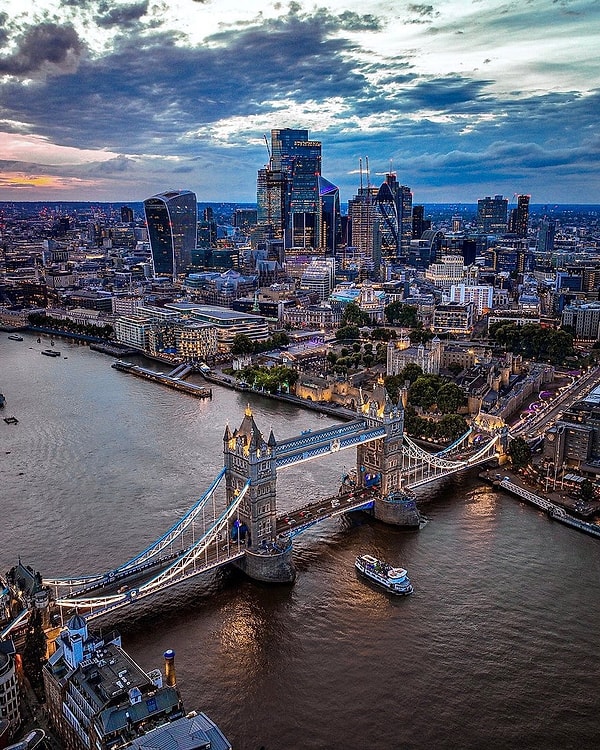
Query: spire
point(227, 435)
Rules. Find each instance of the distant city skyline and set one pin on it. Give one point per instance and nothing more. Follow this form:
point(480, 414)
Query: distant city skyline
point(122, 101)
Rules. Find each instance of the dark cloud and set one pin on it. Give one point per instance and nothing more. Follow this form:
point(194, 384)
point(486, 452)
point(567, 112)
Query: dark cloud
point(150, 89)
point(123, 16)
point(448, 93)
point(47, 45)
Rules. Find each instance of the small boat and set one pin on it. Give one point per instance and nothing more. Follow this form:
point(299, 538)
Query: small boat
point(50, 353)
point(15, 337)
point(11, 420)
point(394, 580)
point(2, 400)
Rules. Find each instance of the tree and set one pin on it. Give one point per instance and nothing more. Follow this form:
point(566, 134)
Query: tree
point(411, 372)
point(519, 452)
point(401, 314)
point(423, 393)
point(354, 316)
point(450, 427)
point(450, 398)
point(242, 344)
point(455, 368)
point(347, 332)
point(34, 651)
point(586, 490)
point(420, 335)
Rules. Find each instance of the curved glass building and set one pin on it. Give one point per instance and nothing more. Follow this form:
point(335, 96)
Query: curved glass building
point(172, 220)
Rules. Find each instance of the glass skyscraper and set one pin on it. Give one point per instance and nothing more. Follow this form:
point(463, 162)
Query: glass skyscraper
point(492, 214)
point(291, 193)
point(172, 219)
point(394, 202)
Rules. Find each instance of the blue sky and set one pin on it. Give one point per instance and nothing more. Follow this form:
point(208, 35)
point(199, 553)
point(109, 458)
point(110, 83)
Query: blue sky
point(103, 100)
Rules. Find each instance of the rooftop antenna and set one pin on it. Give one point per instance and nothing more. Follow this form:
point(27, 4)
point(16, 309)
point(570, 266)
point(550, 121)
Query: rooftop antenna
point(368, 175)
point(360, 170)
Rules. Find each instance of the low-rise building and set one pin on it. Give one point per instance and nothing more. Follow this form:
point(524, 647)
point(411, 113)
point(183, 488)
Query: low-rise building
point(453, 318)
point(10, 707)
point(99, 698)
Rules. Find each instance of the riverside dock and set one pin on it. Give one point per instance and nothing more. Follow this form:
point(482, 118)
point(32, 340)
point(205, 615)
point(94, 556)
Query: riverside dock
point(173, 380)
point(552, 510)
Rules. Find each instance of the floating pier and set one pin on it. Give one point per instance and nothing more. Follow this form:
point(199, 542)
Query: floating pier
point(176, 383)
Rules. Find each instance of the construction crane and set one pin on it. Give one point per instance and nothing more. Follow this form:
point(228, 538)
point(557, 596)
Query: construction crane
point(267, 145)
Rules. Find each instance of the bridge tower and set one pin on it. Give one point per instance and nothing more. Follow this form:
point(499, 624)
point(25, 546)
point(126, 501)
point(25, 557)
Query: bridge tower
point(249, 457)
point(380, 462)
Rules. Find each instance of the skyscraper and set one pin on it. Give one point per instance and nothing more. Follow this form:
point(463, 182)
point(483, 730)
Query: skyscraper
point(364, 226)
point(171, 219)
point(492, 214)
point(290, 193)
point(546, 236)
point(522, 218)
point(394, 202)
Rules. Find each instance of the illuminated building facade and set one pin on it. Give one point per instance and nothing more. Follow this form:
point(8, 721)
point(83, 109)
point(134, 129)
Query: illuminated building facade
point(394, 202)
point(294, 203)
point(172, 224)
point(492, 214)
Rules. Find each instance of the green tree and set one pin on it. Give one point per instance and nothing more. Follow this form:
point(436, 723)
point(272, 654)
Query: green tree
point(519, 452)
point(347, 332)
point(450, 427)
point(450, 398)
point(410, 372)
point(455, 368)
point(420, 335)
point(354, 316)
point(34, 651)
point(423, 393)
point(242, 344)
point(586, 490)
point(401, 314)
point(383, 334)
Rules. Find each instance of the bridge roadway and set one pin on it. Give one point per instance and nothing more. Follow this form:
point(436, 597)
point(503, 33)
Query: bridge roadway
point(296, 521)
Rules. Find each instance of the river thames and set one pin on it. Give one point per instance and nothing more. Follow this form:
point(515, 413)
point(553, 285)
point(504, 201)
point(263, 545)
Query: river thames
point(496, 648)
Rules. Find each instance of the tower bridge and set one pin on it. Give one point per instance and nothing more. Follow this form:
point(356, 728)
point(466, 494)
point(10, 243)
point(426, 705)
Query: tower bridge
point(236, 520)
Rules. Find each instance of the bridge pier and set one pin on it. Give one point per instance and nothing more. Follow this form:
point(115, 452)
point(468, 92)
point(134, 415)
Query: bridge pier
point(397, 509)
point(270, 564)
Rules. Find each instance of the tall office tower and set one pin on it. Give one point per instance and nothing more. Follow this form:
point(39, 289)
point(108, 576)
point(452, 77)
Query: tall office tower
point(207, 229)
point(457, 223)
point(270, 194)
point(394, 202)
point(126, 215)
point(244, 219)
point(522, 217)
point(302, 167)
point(387, 205)
point(331, 222)
point(546, 235)
point(405, 219)
point(492, 214)
point(292, 196)
point(418, 216)
point(172, 225)
point(364, 225)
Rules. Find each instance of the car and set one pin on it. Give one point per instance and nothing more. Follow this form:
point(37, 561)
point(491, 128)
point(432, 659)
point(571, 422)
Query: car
point(335, 503)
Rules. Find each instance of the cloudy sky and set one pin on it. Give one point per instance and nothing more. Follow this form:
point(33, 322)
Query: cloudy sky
point(104, 100)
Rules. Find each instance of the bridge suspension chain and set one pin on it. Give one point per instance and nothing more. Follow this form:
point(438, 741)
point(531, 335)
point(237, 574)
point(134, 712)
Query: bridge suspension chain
point(149, 552)
point(177, 571)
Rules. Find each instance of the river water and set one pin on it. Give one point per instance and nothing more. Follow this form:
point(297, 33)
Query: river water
point(497, 647)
